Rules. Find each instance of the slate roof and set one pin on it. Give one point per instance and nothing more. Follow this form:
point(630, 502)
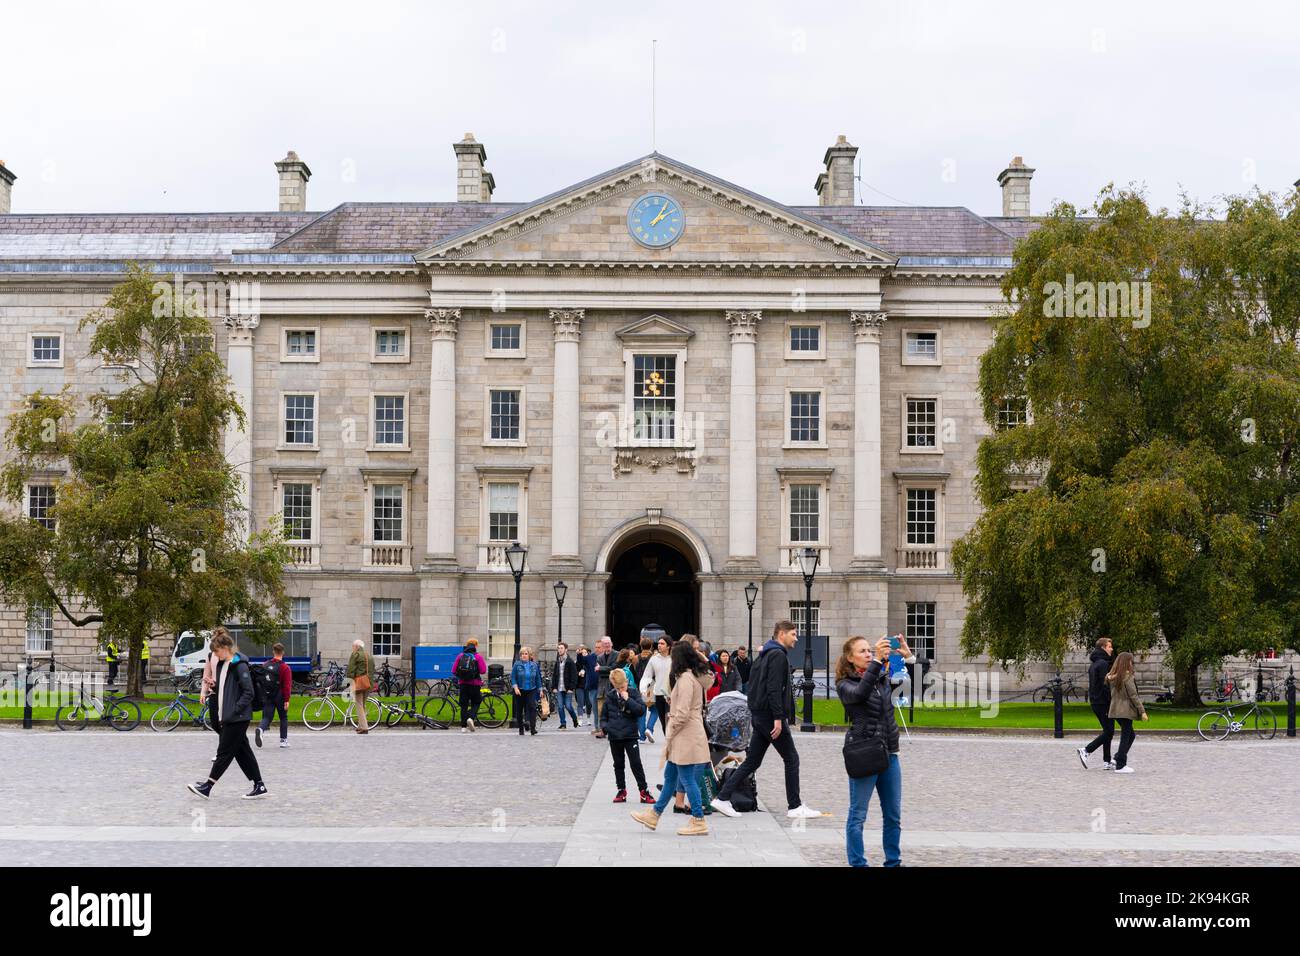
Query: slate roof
point(389, 227)
point(917, 230)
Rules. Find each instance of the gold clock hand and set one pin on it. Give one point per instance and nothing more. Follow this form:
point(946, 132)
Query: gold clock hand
point(663, 211)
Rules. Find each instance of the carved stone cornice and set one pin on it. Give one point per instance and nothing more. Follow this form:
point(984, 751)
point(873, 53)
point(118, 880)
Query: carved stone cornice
point(568, 324)
point(442, 323)
point(681, 459)
point(867, 326)
point(744, 325)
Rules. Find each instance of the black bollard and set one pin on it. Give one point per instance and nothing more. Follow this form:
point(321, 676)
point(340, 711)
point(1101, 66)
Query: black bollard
point(1058, 712)
point(1290, 703)
point(27, 696)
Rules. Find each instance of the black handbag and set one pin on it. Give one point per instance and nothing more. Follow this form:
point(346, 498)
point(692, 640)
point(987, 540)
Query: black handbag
point(865, 756)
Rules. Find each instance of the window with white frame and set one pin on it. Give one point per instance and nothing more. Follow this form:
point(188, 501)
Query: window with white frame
point(505, 340)
point(503, 511)
point(920, 424)
point(654, 398)
point(505, 416)
point(920, 629)
point(299, 345)
point(805, 514)
point(297, 500)
point(40, 504)
point(805, 340)
point(922, 516)
point(1012, 412)
point(501, 627)
point(387, 520)
point(921, 347)
point(389, 421)
point(390, 345)
point(299, 611)
point(797, 617)
point(805, 418)
point(40, 629)
point(45, 349)
point(118, 421)
point(386, 627)
point(805, 521)
point(300, 419)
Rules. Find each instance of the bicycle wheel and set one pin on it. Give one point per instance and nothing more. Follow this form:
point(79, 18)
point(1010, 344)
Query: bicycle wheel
point(165, 720)
point(442, 710)
point(319, 714)
point(393, 716)
point(70, 718)
point(1265, 723)
point(493, 712)
point(1213, 725)
point(422, 689)
point(124, 714)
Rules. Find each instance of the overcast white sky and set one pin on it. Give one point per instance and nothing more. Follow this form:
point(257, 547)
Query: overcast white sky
point(153, 107)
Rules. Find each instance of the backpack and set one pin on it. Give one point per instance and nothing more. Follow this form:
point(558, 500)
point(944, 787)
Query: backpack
point(467, 668)
point(260, 675)
point(745, 797)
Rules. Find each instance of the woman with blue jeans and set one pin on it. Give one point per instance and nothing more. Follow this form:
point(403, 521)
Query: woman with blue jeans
point(686, 748)
point(526, 681)
point(863, 686)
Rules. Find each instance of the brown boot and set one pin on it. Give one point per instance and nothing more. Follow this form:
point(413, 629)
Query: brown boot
point(696, 827)
point(647, 818)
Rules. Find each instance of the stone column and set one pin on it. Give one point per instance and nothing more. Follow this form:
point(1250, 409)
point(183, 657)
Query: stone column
point(866, 440)
point(566, 486)
point(441, 545)
point(742, 545)
point(239, 445)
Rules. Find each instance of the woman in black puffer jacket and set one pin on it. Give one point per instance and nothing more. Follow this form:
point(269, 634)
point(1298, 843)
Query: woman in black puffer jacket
point(862, 680)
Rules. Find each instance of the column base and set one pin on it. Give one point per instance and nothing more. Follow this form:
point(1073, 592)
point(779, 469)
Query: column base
point(742, 565)
point(863, 564)
point(564, 564)
point(441, 563)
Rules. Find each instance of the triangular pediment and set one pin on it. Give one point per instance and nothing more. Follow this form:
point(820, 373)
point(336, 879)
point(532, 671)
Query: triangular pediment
point(589, 224)
point(654, 330)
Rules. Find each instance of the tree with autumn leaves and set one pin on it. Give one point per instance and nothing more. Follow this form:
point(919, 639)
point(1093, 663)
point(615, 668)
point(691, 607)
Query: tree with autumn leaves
point(1152, 493)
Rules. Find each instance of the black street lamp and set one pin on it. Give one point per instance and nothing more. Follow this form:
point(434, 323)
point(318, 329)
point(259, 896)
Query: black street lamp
point(561, 589)
point(516, 555)
point(751, 595)
point(809, 558)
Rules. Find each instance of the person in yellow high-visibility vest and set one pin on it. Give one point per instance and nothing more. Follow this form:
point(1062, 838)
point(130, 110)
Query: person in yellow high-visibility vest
point(111, 658)
point(144, 662)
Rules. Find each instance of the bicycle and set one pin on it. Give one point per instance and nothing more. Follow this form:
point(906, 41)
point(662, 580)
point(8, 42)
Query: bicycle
point(444, 708)
point(1225, 689)
point(118, 712)
point(168, 719)
point(1218, 724)
point(393, 714)
point(397, 683)
point(324, 710)
point(1043, 693)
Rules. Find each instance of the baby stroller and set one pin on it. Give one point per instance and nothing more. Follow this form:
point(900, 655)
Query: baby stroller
point(728, 727)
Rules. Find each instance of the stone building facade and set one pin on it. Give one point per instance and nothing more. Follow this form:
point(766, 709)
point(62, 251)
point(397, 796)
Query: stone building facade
point(661, 384)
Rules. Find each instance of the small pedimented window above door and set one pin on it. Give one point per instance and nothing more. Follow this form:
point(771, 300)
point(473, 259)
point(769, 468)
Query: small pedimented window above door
point(655, 331)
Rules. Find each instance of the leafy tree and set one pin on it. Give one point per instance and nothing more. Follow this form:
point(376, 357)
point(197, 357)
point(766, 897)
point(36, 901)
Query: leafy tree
point(1164, 435)
point(149, 535)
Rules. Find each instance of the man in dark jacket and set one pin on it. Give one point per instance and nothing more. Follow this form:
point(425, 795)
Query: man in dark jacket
point(605, 660)
point(564, 681)
point(743, 665)
point(231, 710)
point(771, 709)
point(1100, 660)
point(283, 688)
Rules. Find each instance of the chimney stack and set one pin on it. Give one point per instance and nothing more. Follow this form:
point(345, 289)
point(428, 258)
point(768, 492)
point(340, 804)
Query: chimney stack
point(293, 183)
point(473, 182)
point(6, 188)
point(835, 186)
point(1014, 181)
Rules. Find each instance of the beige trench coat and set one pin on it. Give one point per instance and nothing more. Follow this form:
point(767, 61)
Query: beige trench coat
point(687, 742)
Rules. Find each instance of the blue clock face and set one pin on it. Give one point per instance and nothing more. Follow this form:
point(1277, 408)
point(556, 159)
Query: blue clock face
point(656, 221)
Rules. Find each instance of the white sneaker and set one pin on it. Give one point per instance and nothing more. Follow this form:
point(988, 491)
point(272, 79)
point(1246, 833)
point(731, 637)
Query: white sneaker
point(283, 744)
point(803, 812)
point(724, 807)
point(1124, 770)
point(470, 723)
point(1083, 756)
point(1108, 765)
point(464, 730)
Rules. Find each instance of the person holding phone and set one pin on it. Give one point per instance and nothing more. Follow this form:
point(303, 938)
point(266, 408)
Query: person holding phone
point(861, 680)
point(898, 673)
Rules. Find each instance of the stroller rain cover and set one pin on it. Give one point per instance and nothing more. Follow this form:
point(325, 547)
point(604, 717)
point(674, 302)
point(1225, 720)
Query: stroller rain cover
point(727, 721)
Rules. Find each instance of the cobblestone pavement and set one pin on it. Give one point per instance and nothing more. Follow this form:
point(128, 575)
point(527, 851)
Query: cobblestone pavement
point(409, 797)
point(1014, 785)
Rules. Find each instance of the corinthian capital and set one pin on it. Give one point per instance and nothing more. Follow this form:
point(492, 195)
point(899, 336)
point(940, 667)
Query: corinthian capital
point(744, 325)
point(867, 325)
point(241, 328)
point(568, 324)
point(442, 323)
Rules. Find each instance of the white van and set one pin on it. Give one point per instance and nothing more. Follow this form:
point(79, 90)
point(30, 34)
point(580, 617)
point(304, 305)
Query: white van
point(190, 654)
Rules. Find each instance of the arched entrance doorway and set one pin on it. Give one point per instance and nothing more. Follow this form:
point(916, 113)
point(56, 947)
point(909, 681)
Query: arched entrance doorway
point(652, 581)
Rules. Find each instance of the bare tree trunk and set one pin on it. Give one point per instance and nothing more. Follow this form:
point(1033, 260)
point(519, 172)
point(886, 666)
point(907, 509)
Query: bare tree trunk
point(1186, 693)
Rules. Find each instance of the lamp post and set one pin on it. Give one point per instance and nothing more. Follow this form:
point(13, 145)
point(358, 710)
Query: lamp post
point(751, 595)
point(809, 558)
point(561, 589)
point(515, 555)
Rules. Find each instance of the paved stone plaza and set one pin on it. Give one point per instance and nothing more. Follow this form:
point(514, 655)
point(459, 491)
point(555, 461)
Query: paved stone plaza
point(407, 797)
